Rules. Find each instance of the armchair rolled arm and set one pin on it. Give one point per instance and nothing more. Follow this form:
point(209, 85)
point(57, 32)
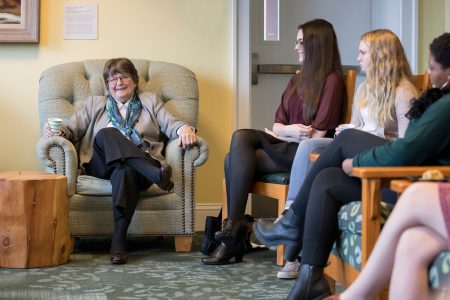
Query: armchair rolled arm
point(203, 149)
point(197, 154)
point(58, 155)
point(184, 161)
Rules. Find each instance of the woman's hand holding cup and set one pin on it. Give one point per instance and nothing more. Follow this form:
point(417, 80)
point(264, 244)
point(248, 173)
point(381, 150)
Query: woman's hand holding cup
point(52, 127)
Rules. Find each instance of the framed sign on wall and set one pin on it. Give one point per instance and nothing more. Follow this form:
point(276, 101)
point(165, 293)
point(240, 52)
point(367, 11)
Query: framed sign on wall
point(19, 21)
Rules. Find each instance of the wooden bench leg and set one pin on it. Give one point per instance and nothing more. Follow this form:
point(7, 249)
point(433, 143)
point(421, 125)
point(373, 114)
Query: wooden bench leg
point(280, 254)
point(183, 243)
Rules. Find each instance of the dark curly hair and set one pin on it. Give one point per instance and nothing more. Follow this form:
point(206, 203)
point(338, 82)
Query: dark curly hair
point(420, 105)
point(440, 50)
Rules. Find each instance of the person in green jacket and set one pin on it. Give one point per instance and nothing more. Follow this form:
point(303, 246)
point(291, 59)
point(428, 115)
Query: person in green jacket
point(311, 224)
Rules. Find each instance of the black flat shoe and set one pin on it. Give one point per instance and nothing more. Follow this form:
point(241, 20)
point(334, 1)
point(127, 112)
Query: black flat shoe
point(118, 258)
point(166, 183)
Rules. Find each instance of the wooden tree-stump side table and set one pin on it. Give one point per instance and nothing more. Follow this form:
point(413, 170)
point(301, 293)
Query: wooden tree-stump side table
point(34, 228)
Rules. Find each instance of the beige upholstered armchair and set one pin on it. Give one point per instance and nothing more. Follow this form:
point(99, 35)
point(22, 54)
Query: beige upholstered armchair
point(63, 90)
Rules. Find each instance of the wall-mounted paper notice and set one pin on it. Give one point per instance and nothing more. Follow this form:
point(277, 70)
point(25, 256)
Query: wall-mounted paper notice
point(80, 21)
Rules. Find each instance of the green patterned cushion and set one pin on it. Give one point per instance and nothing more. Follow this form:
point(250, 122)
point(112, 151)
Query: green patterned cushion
point(348, 245)
point(348, 248)
point(279, 178)
point(439, 272)
point(350, 216)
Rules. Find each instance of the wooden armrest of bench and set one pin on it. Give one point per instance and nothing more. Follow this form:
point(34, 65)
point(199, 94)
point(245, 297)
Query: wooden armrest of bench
point(396, 172)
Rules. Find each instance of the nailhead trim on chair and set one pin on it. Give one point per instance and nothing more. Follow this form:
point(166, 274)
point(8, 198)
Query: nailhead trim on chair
point(193, 195)
point(192, 192)
point(55, 171)
point(183, 184)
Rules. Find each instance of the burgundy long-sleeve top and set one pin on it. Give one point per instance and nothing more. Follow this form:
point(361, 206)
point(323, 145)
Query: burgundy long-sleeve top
point(328, 112)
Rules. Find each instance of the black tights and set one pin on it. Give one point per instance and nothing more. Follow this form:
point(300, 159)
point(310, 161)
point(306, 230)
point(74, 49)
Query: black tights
point(248, 158)
point(325, 189)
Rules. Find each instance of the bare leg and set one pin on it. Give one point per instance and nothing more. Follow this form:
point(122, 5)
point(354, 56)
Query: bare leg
point(418, 206)
point(416, 249)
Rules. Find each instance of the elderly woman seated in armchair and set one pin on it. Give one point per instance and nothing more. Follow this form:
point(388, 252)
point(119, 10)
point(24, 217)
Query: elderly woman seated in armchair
point(120, 137)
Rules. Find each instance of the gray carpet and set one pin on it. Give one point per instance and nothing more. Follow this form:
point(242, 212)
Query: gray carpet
point(153, 271)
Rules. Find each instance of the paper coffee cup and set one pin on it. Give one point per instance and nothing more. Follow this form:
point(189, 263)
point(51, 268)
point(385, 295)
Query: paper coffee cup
point(55, 124)
point(343, 127)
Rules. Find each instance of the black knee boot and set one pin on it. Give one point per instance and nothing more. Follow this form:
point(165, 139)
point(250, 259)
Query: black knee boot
point(209, 243)
point(231, 245)
point(310, 284)
point(287, 231)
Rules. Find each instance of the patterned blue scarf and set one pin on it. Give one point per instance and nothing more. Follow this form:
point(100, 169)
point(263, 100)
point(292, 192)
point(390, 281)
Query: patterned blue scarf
point(126, 126)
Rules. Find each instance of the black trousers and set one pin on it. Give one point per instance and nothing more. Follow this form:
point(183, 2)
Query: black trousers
point(128, 168)
point(253, 153)
point(325, 189)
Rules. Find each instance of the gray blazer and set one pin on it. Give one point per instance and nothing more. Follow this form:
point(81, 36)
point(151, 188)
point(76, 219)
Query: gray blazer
point(154, 120)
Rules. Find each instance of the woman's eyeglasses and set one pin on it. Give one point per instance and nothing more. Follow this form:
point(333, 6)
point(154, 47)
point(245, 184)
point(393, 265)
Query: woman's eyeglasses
point(299, 42)
point(114, 80)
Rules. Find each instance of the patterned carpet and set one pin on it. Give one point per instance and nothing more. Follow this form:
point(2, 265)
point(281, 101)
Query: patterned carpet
point(153, 271)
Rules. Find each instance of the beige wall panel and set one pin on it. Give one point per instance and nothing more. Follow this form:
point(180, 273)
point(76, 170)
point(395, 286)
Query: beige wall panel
point(432, 15)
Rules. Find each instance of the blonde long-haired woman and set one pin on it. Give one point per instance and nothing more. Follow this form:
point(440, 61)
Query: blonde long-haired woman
point(383, 99)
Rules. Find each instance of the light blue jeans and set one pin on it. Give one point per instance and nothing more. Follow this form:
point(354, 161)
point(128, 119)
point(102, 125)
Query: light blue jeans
point(301, 164)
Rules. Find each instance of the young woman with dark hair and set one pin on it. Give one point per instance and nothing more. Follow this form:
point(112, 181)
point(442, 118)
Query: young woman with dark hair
point(310, 107)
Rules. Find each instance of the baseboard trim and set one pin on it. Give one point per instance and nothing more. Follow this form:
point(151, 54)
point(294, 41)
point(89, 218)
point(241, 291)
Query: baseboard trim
point(202, 210)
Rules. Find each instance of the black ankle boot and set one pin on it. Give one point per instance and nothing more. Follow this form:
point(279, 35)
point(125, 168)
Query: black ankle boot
point(231, 244)
point(287, 231)
point(226, 229)
point(310, 284)
point(247, 221)
point(224, 253)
